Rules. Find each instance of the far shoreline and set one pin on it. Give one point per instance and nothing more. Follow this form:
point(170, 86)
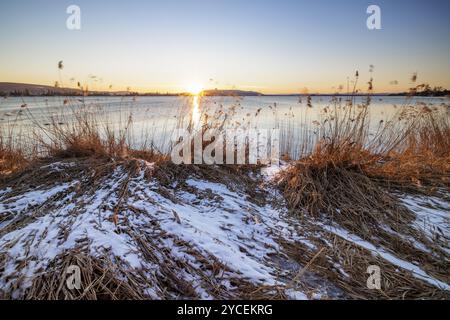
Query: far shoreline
point(225, 96)
point(9, 89)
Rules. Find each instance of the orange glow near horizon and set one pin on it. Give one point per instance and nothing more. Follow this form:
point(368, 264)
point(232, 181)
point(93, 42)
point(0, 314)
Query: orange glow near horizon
point(195, 89)
point(381, 84)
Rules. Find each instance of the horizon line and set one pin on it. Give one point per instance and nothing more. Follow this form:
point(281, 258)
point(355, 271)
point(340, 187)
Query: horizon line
point(131, 92)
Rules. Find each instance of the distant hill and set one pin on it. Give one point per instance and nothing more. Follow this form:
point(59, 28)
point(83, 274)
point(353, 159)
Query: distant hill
point(10, 88)
point(26, 89)
point(227, 93)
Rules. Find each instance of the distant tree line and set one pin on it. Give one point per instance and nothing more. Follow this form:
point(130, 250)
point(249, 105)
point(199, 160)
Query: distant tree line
point(51, 93)
point(425, 90)
point(47, 93)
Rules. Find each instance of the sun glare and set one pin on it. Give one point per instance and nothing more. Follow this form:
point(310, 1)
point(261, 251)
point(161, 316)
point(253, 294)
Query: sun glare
point(195, 88)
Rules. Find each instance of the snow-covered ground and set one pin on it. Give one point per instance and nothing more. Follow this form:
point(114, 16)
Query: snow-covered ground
point(193, 223)
point(207, 217)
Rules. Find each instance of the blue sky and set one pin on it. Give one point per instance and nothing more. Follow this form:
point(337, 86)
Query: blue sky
point(269, 46)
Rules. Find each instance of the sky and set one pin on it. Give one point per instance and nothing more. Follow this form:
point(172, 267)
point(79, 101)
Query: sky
point(269, 46)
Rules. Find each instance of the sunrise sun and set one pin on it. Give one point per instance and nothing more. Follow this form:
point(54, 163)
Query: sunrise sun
point(195, 88)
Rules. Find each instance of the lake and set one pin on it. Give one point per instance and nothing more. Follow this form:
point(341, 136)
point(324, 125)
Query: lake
point(155, 118)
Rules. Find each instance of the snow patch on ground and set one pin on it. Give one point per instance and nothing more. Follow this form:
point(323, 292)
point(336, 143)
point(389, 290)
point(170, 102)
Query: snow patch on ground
point(238, 233)
point(432, 215)
point(184, 221)
point(212, 219)
point(415, 270)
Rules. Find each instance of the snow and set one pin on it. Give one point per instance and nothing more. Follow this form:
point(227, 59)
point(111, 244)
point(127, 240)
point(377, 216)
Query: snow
point(432, 215)
point(238, 233)
point(31, 198)
point(41, 238)
point(224, 225)
point(207, 219)
point(270, 172)
point(415, 270)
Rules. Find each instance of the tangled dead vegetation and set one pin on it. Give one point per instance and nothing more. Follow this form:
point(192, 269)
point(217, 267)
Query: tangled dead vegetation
point(141, 227)
point(347, 181)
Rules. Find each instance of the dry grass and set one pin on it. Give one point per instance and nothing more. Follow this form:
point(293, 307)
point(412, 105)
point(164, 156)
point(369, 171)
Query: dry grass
point(424, 159)
point(396, 283)
point(84, 137)
point(102, 279)
point(347, 166)
point(105, 276)
point(12, 154)
point(11, 160)
point(349, 177)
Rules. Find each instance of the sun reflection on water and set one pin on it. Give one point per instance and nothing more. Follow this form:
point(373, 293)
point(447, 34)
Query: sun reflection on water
point(196, 111)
